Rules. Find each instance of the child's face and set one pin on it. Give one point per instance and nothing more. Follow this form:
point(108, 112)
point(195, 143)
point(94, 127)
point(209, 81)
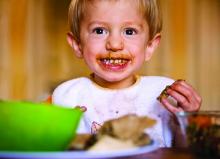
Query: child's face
point(114, 39)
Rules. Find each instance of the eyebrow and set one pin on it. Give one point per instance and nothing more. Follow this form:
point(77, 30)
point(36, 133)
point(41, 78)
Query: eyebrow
point(134, 24)
point(124, 24)
point(97, 22)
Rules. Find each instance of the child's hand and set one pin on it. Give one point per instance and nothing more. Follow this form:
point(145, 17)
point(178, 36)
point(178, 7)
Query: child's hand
point(187, 98)
point(95, 127)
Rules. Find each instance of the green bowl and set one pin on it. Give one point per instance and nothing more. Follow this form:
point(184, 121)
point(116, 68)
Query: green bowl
point(27, 126)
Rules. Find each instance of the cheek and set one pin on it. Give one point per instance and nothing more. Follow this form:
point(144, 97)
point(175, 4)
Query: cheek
point(90, 52)
point(138, 53)
point(137, 43)
point(93, 46)
point(137, 49)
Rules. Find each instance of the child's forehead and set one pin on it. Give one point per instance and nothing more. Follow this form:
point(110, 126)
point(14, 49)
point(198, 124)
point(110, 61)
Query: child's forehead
point(127, 9)
point(96, 3)
point(108, 4)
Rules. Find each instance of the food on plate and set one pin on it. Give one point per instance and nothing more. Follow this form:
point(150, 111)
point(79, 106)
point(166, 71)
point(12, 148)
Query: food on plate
point(117, 134)
point(109, 143)
point(82, 142)
point(129, 127)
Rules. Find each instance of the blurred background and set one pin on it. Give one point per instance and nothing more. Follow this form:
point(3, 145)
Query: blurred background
point(35, 57)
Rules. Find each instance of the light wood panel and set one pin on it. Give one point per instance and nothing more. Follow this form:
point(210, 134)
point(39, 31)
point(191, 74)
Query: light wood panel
point(203, 50)
point(5, 79)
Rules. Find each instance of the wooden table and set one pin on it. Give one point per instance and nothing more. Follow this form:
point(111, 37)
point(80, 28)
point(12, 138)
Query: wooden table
point(167, 153)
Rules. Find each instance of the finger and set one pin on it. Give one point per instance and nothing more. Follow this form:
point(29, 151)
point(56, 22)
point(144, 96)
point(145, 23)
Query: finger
point(182, 82)
point(189, 87)
point(187, 102)
point(185, 91)
point(170, 107)
point(95, 127)
point(190, 94)
point(181, 99)
point(82, 108)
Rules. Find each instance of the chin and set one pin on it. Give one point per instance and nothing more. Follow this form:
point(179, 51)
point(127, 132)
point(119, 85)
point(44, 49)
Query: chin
point(110, 76)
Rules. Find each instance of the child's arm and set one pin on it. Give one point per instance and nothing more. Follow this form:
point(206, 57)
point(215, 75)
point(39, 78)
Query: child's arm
point(187, 98)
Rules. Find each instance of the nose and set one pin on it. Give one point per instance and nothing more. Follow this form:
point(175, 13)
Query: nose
point(114, 42)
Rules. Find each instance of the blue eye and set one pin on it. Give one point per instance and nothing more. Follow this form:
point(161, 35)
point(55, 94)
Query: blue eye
point(99, 31)
point(130, 31)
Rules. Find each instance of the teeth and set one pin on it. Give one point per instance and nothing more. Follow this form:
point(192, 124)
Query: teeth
point(114, 61)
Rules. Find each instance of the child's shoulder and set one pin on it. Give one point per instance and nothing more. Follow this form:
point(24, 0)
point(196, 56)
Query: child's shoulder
point(74, 82)
point(157, 80)
point(72, 85)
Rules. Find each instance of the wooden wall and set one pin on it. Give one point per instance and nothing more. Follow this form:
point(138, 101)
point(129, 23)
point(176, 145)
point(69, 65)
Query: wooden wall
point(34, 55)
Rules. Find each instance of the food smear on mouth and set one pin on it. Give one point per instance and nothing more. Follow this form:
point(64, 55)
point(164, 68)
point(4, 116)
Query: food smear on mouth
point(114, 64)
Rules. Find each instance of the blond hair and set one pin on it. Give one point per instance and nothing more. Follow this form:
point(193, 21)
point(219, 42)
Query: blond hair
point(149, 8)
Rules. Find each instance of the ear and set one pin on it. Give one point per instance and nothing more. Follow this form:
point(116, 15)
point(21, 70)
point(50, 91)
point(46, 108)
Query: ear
point(75, 45)
point(152, 46)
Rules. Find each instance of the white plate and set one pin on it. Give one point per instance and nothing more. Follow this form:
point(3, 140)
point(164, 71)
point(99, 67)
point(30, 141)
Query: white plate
point(78, 154)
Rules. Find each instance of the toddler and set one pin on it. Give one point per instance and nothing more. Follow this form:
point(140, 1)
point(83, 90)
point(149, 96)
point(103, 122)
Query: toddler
point(115, 37)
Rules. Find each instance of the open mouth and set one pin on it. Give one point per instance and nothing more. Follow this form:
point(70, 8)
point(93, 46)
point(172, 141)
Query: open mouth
point(117, 61)
point(114, 64)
